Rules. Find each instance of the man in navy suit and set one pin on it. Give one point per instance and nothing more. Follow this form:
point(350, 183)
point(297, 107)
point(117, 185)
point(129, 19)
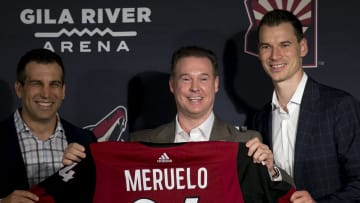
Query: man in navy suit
point(313, 129)
point(33, 139)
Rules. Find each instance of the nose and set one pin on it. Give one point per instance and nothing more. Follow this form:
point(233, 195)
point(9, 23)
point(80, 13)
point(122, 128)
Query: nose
point(194, 85)
point(45, 91)
point(275, 53)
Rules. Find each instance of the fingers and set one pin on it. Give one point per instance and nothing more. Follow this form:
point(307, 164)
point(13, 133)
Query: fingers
point(260, 152)
point(301, 197)
point(264, 155)
point(73, 153)
point(20, 196)
point(252, 145)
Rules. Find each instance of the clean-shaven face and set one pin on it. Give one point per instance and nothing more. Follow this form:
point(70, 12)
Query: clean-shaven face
point(280, 52)
point(42, 92)
point(194, 87)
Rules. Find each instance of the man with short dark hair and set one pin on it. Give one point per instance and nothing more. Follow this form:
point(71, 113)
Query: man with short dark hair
point(313, 129)
point(34, 138)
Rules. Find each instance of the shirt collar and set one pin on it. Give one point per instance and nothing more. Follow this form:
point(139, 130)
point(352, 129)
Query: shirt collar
point(297, 96)
point(22, 127)
point(204, 127)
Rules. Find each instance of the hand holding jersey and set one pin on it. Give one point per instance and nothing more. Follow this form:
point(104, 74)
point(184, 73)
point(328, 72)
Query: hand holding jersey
point(261, 153)
point(73, 153)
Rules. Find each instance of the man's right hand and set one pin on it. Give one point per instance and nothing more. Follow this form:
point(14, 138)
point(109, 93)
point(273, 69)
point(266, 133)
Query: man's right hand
point(20, 196)
point(73, 153)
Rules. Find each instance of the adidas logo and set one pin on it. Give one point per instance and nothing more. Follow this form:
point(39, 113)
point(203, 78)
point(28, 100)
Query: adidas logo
point(164, 158)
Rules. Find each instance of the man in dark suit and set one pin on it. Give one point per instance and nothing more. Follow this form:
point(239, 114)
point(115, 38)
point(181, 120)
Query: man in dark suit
point(194, 82)
point(34, 138)
point(313, 129)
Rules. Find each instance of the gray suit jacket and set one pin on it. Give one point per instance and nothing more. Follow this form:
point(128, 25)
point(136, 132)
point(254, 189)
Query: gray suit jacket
point(221, 131)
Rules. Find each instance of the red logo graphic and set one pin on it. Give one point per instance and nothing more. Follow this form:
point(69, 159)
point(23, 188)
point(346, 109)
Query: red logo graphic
point(305, 10)
point(112, 126)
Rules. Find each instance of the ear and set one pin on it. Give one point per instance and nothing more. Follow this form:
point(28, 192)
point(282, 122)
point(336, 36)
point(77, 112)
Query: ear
point(303, 47)
point(63, 91)
point(216, 84)
point(171, 84)
point(18, 89)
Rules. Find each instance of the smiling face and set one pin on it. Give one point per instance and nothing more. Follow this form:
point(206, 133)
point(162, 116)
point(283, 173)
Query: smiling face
point(41, 92)
point(281, 53)
point(194, 86)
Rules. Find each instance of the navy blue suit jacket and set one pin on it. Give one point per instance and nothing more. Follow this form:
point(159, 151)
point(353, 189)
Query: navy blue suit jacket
point(12, 170)
point(327, 146)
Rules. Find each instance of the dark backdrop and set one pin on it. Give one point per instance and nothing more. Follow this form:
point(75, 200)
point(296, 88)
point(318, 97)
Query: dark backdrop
point(119, 88)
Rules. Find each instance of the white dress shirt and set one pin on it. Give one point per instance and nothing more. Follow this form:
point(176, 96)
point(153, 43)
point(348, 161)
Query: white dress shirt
point(200, 133)
point(284, 127)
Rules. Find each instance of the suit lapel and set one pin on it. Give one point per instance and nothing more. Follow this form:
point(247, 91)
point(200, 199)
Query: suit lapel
point(167, 133)
point(219, 132)
point(305, 123)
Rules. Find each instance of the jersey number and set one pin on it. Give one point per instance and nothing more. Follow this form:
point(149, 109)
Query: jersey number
point(67, 173)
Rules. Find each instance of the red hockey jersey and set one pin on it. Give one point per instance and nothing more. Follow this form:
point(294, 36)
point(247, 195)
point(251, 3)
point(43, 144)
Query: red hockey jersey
point(194, 172)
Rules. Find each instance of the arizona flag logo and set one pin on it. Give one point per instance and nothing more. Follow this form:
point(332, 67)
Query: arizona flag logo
point(305, 10)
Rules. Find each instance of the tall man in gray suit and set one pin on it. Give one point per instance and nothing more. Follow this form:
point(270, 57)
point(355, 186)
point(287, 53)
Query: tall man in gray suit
point(313, 129)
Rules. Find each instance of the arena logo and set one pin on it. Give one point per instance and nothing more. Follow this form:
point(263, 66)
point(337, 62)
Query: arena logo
point(305, 10)
point(112, 126)
point(86, 31)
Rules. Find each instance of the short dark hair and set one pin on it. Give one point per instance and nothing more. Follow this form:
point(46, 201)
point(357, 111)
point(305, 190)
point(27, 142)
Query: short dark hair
point(40, 55)
point(195, 51)
point(278, 16)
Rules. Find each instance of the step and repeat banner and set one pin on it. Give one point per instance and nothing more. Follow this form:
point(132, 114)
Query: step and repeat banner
point(117, 54)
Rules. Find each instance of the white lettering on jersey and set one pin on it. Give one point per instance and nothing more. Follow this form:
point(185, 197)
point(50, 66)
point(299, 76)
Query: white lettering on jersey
point(168, 179)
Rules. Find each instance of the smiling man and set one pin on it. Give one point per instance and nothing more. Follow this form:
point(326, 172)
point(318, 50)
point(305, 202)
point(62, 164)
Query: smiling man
point(313, 129)
point(194, 82)
point(33, 139)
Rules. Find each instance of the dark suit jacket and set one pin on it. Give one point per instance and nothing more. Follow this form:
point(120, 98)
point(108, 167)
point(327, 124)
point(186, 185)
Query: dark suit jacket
point(12, 170)
point(327, 146)
point(221, 131)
